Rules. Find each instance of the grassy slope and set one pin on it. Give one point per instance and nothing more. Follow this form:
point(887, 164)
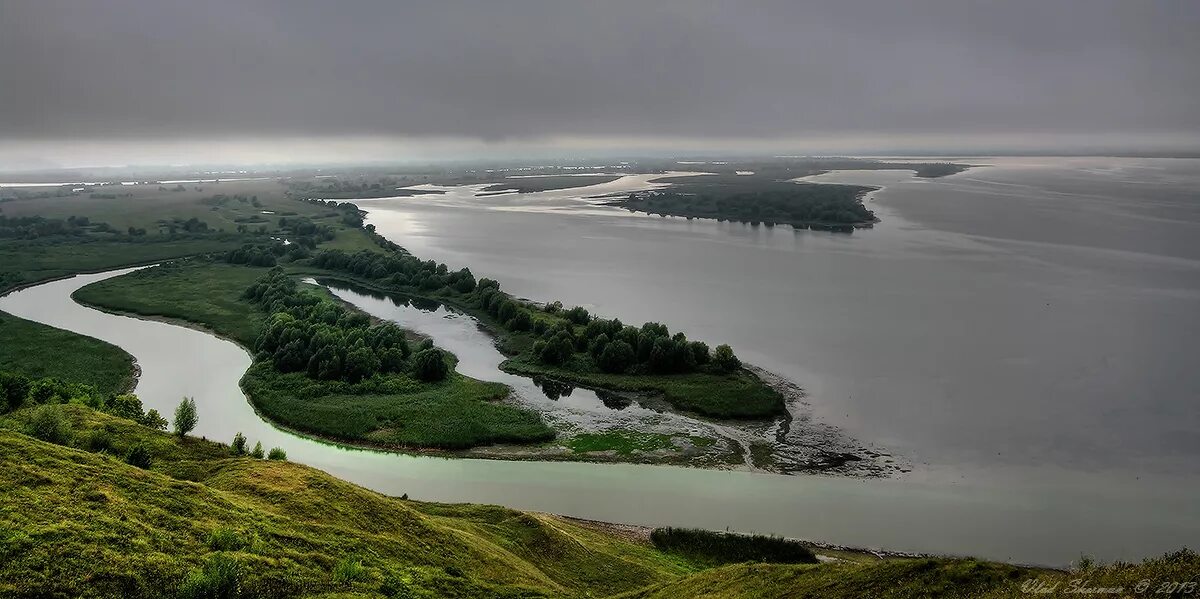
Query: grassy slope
point(457, 412)
point(921, 578)
point(37, 350)
point(83, 524)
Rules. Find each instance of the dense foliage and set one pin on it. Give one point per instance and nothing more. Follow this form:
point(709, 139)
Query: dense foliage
point(311, 334)
point(717, 548)
point(562, 336)
point(18, 391)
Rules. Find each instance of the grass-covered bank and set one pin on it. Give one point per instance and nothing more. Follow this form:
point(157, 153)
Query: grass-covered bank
point(200, 521)
point(37, 351)
point(363, 387)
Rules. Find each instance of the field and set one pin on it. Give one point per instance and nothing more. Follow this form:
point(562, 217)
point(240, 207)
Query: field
point(207, 293)
point(38, 351)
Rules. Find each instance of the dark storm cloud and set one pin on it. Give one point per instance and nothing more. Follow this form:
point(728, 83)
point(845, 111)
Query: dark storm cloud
point(489, 69)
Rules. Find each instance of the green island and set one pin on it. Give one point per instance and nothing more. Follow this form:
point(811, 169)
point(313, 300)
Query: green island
point(536, 183)
point(756, 199)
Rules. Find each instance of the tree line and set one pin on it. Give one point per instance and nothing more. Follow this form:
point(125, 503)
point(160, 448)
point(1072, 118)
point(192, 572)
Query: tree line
point(563, 336)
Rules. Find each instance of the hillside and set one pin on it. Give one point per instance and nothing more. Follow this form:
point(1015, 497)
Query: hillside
point(78, 521)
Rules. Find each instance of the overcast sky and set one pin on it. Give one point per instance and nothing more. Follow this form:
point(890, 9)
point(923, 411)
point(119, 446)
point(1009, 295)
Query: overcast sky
point(383, 74)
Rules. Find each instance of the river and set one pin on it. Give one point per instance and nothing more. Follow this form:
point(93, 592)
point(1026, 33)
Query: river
point(914, 282)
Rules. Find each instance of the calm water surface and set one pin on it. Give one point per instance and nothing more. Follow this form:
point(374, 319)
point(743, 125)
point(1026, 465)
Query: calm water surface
point(1043, 373)
point(1034, 313)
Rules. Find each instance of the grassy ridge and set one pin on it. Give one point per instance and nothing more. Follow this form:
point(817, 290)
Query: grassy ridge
point(81, 524)
point(37, 350)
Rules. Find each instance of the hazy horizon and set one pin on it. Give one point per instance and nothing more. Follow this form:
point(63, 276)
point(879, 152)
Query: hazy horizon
point(140, 83)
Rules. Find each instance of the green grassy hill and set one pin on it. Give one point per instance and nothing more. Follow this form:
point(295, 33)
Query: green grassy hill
point(78, 521)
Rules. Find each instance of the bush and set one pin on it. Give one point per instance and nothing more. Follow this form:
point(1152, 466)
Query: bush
point(225, 539)
point(238, 447)
point(49, 424)
point(348, 570)
point(139, 455)
point(153, 420)
point(716, 548)
point(99, 440)
point(616, 357)
point(220, 578)
point(430, 365)
point(14, 388)
point(725, 360)
point(277, 453)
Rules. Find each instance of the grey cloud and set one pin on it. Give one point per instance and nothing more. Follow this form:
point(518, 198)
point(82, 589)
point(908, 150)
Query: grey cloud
point(504, 70)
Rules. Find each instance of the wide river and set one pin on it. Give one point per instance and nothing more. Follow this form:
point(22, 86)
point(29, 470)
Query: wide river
point(1025, 334)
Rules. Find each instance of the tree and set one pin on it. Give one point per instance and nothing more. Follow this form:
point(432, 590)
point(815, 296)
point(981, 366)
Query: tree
point(257, 452)
point(277, 453)
point(430, 365)
point(185, 417)
point(238, 447)
point(725, 360)
point(14, 388)
point(127, 406)
point(616, 357)
point(578, 315)
point(154, 420)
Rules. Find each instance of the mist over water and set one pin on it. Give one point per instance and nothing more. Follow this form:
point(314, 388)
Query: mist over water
point(1029, 314)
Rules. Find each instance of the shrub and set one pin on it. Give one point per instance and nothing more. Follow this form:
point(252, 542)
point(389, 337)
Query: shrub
point(257, 452)
point(616, 357)
point(14, 388)
point(725, 360)
point(430, 365)
point(277, 453)
point(716, 548)
point(220, 578)
point(154, 420)
point(99, 440)
point(238, 447)
point(49, 424)
point(225, 539)
point(348, 570)
point(139, 455)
